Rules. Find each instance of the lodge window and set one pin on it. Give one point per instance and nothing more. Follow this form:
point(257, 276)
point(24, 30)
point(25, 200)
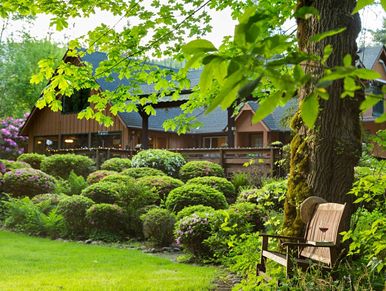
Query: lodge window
point(256, 140)
point(215, 141)
point(106, 139)
point(77, 102)
point(74, 141)
point(378, 108)
point(44, 143)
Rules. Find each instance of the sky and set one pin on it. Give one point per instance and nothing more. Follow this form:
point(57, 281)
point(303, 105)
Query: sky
point(223, 25)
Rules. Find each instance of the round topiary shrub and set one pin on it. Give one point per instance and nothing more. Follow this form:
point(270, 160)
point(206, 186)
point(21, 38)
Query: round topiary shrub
point(142, 172)
point(193, 209)
point(103, 192)
point(158, 225)
point(27, 182)
point(195, 194)
point(166, 161)
point(73, 209)
point(218, 183)
point(62, 165)
point(33, 159)
point(118, 178)
point(13, 165)
point(47, 202)
point(106, 221)
point(97, 176)
point(116, 164)
point(195, 169)
point(161, 185)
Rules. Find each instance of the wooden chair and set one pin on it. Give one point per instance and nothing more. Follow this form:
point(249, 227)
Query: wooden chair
point(321, 242)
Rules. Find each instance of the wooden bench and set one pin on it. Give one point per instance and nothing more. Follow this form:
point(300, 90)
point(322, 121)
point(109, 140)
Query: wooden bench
point(321, 242)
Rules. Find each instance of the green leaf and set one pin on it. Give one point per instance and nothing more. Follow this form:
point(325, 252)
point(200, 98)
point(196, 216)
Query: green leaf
point(306, 12)
point(310, 110)
point(381, 118)
point(326, 53)
point(347, 60)
point(320, 36)
point(362, 4)
point(267, 106)
point(383, 3)
point(366, 74)
point(247, 89)
point(198, 46)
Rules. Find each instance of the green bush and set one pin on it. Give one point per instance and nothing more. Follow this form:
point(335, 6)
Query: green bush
point(158, 226)
point(27, 182)
point(118, 179)
point(33, 159)
point(102, 192)
point(251, 213)
point(47, 202)
point(195, 194)
point(97, 176)
point(166, 161)
point(161, 185)
point(14, 165)
point(218, 183)
point(73, 209)
point(62, 165)
point(106, 221)
point(193, 209)
point(200, 169)
point(116, 164)
point(142, 172)
point(72, 186)
point(241, 180)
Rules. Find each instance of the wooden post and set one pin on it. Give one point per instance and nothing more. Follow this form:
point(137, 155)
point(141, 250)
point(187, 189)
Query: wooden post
point(145, 130)
point(222, 161)
point(231, 127)
point(272, 161)
point(89, 140)
point(97, 159)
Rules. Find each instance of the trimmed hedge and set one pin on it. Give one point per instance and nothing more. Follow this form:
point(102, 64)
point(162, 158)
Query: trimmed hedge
point(195, 194)
point(103, 192)
point(158, 225)
point(161, 185)
point(118, 178)
point(27, 182)
point(97, 176)
point(116, 164)
point(142, 172)
point(195, 169)
point(193, 209)
point(33, 159)
point(166, 161)
point(218, 183)
point(62, 165)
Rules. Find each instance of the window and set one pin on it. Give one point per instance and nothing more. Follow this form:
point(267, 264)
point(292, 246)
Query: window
point(106, 139)
point(44, 143)
point(74, 141)
point(215, 141)
point(256, 140)
point(77, 102)
point(378, 108)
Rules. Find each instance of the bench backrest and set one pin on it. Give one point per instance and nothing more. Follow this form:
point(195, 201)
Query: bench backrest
point(330, 216)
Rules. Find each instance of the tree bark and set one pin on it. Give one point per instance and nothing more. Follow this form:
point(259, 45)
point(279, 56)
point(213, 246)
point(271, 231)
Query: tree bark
point(323, 158)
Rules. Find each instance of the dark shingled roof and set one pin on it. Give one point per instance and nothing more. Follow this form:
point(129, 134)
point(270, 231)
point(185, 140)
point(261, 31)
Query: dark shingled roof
point(369, 55)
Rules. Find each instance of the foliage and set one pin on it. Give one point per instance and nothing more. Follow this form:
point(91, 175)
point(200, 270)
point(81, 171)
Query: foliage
point(158, 226)
point(160, 185)
point(106, 221)
point(218, 183)
point(241, 180)
point(47, 202)
point(62, 165)
point(193, 209)
point(97, 176)
point(118, 178)
point(143, 172)
point(11, 143)
point(13, 165)
point(32, 159)
point(252, 213)
point(284, 162)
point(116, 164)
point(195, 194)
point(102, 192)
point(166, 161)
point(73, 209)
point(195, 169)
point(379, 35)
point(23, 215)
point(72, 186)
point(27, 182)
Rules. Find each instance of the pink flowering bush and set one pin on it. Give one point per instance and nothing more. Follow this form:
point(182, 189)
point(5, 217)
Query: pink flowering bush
point(27, 182)
point(11, 144)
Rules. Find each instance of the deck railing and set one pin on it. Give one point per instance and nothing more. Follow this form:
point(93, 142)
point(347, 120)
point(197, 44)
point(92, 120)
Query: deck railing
point(262, 160)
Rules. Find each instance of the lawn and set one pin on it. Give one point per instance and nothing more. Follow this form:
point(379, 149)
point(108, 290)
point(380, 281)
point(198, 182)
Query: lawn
point(28, 263)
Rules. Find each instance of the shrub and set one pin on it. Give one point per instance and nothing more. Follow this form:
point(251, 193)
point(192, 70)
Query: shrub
point(96, 176)
point(72, 186)
point(142, 172)
point(158, 226)
point(73, 209)
point(102, 192)
point(33, 159)
point(218, 183)
point(47, 202)
point(118, 178)
point(27, 182)
point(2, 168)
point(250, 212)
point(116, 164)
point(62, 165)
point(166, 161)
point(193, 194)
point(11, 143)
point(241, 180)
point(13, 165)
point(200, 169)
point(161, 185)
point(193, 209)
point(106, 221)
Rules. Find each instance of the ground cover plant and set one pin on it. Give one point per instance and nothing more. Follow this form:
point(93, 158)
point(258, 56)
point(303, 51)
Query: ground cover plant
point(39, 264)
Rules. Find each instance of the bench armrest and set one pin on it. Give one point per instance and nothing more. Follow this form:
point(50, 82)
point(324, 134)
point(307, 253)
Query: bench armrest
point(316, 244)
point(282, 237)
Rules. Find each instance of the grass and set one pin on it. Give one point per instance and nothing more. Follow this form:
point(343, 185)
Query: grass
point(29, 263)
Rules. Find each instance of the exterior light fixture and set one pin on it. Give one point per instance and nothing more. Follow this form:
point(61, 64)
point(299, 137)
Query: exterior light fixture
point(69, 140)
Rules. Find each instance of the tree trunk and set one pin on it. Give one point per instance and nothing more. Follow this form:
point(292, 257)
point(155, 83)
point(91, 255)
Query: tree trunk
point(323, 158)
